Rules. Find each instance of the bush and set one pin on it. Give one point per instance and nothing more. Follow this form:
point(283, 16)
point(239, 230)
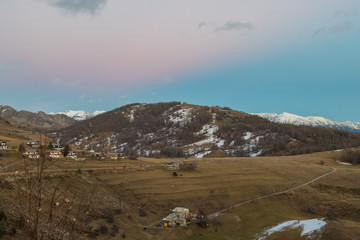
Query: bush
point(189, 166)
point(115, 230)
point(310, 209)
point(109, 217)
point(350, 156)
point(142, 212)
point(5, 184)
point(2, 223)
point(22, 148)
point(175, 174)
point(103, 229)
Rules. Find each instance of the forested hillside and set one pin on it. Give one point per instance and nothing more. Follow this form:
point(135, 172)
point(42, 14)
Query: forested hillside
point(184, 130)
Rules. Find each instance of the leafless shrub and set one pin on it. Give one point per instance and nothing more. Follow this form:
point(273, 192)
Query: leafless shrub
point(189, 166)
point(114, 230)
point(351, 156)
point(310, 209)
point(103, 229)
point(5, 184)
point(48, 209)
point(109, 216)
point(142, 212)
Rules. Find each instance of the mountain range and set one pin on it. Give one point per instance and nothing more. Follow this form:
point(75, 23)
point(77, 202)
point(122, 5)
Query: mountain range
point(185, 130)
point(177, 129)
point(288, 118)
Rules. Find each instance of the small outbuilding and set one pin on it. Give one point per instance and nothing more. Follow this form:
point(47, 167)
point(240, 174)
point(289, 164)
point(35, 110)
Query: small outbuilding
point(72, 155)
point(33, 143)
point(56, 154)
point(32, 153)
point(174, 165)
point(179, 215)
point(181, 212)
point(3, 145)
point(58, 146)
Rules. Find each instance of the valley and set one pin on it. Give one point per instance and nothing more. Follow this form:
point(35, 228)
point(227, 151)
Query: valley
point(99, 196)
point(121, 188)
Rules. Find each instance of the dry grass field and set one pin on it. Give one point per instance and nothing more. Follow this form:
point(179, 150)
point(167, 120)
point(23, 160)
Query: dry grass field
point(120, 194)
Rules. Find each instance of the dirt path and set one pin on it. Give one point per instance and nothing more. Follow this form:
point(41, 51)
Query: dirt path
point(216, 214)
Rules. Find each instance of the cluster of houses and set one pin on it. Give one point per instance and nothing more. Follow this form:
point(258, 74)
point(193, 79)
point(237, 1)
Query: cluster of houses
point(179, 216)
point(55, 152)
point(101, 155)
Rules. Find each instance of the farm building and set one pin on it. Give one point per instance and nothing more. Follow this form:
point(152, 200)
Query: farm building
point(112, 156)
point(179, 216)
point(56, 154)
point(3, 145)
point(57, 146)
point(181, 212)
point(72, 155)
point(174, 165)
point(32, 153)
point(33, 143)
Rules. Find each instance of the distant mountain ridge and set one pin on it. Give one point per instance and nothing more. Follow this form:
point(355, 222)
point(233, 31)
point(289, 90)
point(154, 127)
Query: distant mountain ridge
point(78, 115)
point(38, 121)
point(289, 118)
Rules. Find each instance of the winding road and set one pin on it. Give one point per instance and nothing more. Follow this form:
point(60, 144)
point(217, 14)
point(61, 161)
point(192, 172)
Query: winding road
point(216, 214)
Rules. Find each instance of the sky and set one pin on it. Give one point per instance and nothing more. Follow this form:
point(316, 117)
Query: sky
point(299, 56)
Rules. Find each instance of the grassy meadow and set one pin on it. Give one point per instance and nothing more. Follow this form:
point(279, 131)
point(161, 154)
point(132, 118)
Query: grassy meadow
point(217, 183)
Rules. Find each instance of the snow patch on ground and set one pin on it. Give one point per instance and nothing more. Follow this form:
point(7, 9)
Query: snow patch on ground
point(255, 154)
point(251, 147)
point(308, 227)
point(131, 115)
point(202, 154)
point(181, 115)
point(132, 112)
point(344, 163)
point(209, 130)
point(248, 135)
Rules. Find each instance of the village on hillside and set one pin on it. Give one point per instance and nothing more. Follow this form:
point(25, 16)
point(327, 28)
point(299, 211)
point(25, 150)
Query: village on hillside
point(32, 149)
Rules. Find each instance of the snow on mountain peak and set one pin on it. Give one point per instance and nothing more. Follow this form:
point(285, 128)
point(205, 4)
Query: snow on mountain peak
point(79, 114)
point(314, 121)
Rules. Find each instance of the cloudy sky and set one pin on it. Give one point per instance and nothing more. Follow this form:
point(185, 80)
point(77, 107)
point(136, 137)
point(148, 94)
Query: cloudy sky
point(298, 56)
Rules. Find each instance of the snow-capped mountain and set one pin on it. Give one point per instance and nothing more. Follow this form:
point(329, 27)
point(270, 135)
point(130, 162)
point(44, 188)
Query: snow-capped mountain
point(310, 121)
point(79, 115)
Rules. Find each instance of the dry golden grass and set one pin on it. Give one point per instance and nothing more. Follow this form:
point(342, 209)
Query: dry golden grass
point(218, 183)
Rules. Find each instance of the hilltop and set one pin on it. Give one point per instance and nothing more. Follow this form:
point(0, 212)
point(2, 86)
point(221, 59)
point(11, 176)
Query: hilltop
point(177, 129)
point(37, 122)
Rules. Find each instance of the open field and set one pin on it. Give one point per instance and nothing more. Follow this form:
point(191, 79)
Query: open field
point(214, 185)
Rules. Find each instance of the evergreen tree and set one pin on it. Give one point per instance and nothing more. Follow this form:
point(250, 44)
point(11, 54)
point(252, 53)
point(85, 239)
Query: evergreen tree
point(66, 150)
